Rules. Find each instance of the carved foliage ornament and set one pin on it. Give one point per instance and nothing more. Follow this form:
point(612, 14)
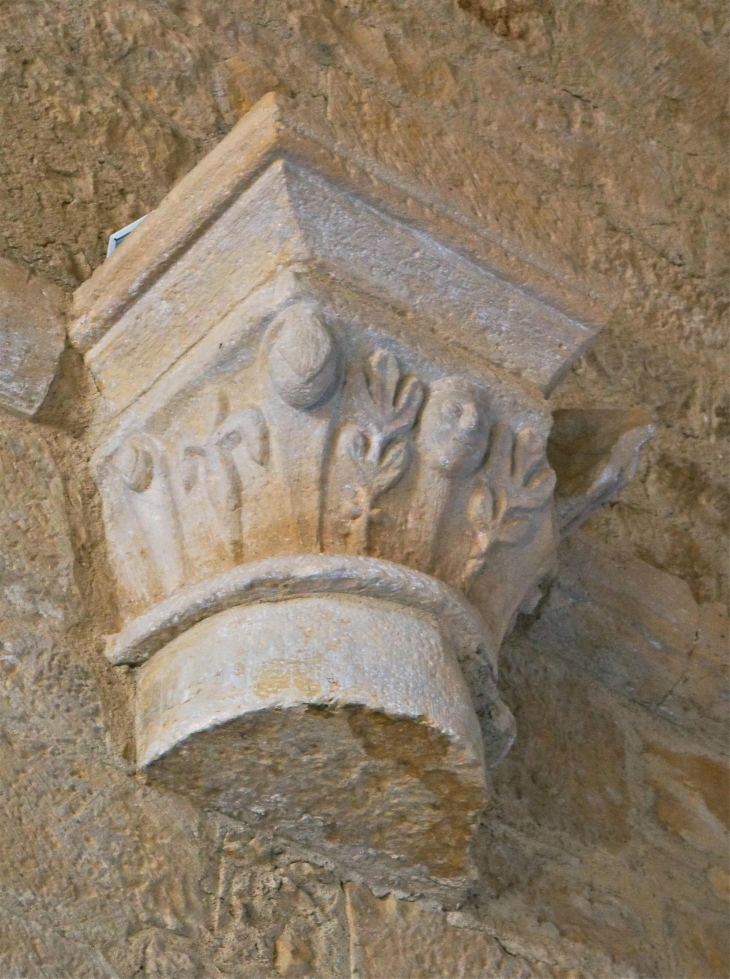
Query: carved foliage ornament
point(328, 458)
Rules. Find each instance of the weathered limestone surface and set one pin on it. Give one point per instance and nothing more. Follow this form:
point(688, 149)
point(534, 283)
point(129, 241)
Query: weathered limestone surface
point(595, 133)
point(308, 223)
point(650, 792)
point(604, 841)
point(37, 558)
point(320, 431)
point(102, 877)
point(298, 721)
point(32, 336)
point(595, 454)
point(390, 939)
point(597, 138)
point(639, 631)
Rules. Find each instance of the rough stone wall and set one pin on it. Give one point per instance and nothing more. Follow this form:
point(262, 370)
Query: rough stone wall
point(582, 130)
point(603, 852)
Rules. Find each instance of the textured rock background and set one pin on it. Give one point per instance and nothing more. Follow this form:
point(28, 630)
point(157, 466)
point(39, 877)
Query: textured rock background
point(603, 852)
point(581, 130)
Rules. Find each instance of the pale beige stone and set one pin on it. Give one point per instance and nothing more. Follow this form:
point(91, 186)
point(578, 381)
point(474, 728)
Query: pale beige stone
point(32, 336)
point(640, 632)
point(595, 453)
point(310, 673)
point(37, 567)
point(484, 112)
point(278, 712)
point(703, 941)
point(275, 130)
point(28, 950)
point(544, 119)
point(309, 402)
point(720, 883)
point(691, 796)
point(392, 939)
point(629, 625)
point(323, 433)
point(702, 696)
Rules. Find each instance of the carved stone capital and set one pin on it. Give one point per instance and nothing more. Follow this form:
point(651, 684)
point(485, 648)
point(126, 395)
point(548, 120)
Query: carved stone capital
point(322, 464)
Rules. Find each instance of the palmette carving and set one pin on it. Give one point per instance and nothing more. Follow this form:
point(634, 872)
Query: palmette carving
point(513, 487)
point(373, 452)
point(314, 459)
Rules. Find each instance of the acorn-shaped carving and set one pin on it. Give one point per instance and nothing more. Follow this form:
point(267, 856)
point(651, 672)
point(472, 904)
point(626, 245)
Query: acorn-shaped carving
point(136, 465)
point(303, 359)
point(454, 428)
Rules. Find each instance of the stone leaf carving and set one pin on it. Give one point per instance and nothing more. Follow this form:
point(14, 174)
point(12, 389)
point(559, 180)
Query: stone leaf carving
point(334, 434)
point(451, 442)
point(514, 485)
point(299, 462)
point(595, 453)
point(479, 484)
point(373, 450)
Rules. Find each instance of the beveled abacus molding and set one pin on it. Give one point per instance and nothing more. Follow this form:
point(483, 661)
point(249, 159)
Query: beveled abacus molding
point(278, 129)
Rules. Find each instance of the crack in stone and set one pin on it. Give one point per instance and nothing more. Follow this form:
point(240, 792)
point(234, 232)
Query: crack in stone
point(685, 671)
